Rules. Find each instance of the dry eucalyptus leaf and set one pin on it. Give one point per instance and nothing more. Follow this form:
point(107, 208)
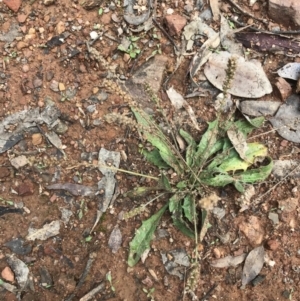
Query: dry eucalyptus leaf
point(55, 140)
point(290, 70)
point(286, 121)
point(48, 230)
point(259, 107)
point(228, 261)
point(176, 262)
point(238, 141)
point(253, 265)
point(115, 240)
point(249, 79)
point(20, 270)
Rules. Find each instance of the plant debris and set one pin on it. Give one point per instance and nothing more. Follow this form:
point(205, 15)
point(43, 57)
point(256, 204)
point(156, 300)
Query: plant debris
point(286, 120)
point(228, 261)
point(253, 265)
point(176, 262)
point(48, 230)
point(115, 240)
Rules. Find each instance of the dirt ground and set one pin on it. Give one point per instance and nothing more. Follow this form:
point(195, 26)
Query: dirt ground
point(27, 71)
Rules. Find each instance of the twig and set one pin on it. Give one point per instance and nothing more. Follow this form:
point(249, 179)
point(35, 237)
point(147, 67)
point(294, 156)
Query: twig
point(93, 292)
point(287, 32)
point(246, 13)
point(165, 33)
point(112, 168)
point(111, 38)
point(256, 201)
point(136, 60)
point(209, 292)
point(88, 266)
point(99, 215)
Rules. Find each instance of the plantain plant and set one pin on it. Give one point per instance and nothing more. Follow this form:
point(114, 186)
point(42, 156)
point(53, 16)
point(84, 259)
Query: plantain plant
point(221, 157)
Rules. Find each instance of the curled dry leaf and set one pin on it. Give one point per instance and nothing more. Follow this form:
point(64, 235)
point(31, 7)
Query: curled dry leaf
point(74, 189)
point(253, 265)
point(178, 102)
point(228, 261)
point(249, 79)
point(20, 270)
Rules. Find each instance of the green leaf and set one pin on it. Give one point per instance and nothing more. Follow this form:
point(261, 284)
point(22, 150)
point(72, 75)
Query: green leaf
point(219, 145)
point(189, 208)
point(153, 52)
point(255, 175)
point(100, 11)
point(122, 48)
point(207, 141)
point(181, 184)
point(219, 158)
point(134, 39)
point(143, 236)
point(220, 180)
point(132, 55)
point(139, 192)
point(89, 238)
point(174, 202)
point(204, 224)
point(191, 148)
point(247, 126)
point(108, 277)
point(239, 186)
point(154, 158)
point(164, 183)
point(234, 162)
point(157, 139)
point(182, 226)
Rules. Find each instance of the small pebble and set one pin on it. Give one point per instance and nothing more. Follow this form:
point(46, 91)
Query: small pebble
point(25, 68)
point(49, 75)
point(273, 244)
point(41, 103)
